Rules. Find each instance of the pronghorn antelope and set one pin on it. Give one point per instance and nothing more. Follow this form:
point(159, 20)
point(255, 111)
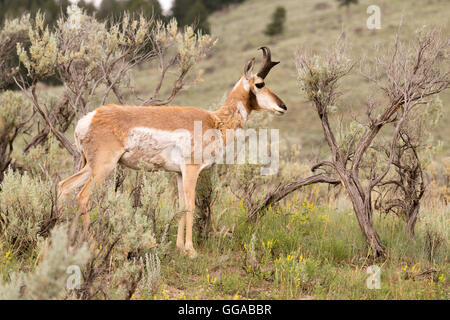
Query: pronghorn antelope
point(156, 138)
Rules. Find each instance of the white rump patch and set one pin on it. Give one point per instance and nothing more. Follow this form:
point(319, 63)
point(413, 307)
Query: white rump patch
point(82, 128)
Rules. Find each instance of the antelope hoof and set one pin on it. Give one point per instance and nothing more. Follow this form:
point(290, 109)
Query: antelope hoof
point(180, 247)
point(191, 251)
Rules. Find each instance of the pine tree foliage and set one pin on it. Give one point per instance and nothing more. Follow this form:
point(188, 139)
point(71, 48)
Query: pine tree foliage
point(276, 26)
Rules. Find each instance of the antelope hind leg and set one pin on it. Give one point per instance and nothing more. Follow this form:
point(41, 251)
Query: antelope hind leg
point(181, 207)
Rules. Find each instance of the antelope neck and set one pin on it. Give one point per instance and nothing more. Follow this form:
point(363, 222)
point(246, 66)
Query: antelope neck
point(234, 113)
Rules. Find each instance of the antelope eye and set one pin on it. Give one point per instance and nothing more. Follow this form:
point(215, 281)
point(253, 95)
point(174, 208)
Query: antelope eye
point(259, 85)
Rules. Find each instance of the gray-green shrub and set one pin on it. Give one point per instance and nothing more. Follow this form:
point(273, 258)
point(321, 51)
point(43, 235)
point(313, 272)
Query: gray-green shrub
point(15, 113)
point(26, 209)
point(49, 280)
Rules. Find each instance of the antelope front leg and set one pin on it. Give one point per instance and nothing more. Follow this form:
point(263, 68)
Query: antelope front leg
point(181, 206)
point(189, 182)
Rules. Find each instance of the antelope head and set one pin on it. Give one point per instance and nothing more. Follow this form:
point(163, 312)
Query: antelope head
point(260, 96)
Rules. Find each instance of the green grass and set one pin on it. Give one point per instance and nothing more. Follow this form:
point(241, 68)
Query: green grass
point(333, 255)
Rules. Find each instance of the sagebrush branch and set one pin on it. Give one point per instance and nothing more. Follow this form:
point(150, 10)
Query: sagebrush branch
point(281, 191)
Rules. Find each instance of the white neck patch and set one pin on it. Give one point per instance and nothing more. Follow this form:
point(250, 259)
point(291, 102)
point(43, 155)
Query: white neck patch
point(242, 110)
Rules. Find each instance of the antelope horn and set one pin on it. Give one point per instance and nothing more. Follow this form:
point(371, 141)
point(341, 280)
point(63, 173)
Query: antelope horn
point(267, 63)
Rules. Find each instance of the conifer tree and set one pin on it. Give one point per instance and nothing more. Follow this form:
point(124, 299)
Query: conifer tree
point(197, 14)
point(276, 26)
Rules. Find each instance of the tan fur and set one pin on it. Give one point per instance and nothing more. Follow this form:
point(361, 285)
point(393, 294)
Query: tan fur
point(104, 143)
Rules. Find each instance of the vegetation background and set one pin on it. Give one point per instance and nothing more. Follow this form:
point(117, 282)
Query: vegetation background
point(307, 247)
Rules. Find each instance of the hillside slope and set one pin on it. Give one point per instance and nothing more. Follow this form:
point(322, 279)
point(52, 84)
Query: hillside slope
point(314, 24)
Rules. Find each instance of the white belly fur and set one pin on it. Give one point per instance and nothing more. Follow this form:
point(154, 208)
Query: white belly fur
point(153, 149)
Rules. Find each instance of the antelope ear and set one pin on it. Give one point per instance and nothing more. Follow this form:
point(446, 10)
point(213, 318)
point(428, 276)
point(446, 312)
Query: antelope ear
point(248, 70)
